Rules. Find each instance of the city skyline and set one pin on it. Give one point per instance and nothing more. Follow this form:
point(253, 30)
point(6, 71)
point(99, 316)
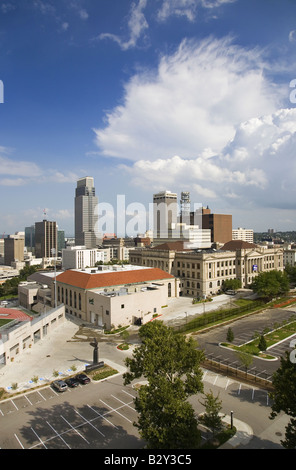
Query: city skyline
point(148, 96)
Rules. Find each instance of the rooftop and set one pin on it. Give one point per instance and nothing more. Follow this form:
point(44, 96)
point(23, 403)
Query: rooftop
point(107, 278)
point(233, 245)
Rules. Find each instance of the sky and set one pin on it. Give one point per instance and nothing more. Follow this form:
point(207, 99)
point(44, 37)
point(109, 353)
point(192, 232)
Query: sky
point(147, 96)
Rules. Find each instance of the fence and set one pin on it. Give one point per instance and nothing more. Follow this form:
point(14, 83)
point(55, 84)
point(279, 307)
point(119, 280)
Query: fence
point(251, 376)
point(210, 318)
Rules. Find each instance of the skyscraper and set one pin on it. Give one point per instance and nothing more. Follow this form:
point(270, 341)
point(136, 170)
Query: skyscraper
point(165, 213)
point(45, 239)
point(85, 217)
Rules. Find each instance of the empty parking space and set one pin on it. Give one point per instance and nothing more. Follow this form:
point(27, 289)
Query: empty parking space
point(107, 422)
point(236, 388)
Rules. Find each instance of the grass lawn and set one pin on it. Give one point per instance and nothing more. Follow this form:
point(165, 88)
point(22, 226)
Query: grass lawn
point(271, 338)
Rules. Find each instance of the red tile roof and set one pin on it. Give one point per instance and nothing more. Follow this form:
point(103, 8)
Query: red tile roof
point(233, 245)
point(86, 280)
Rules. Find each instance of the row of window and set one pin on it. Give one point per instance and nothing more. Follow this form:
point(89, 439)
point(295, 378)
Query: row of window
point(65, 296)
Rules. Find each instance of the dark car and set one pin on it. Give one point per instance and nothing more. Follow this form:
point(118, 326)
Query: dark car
point(82, 378)
point(72, 382)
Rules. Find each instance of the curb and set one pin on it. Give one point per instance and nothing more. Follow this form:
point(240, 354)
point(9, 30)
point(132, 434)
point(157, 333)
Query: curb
point(243, 435)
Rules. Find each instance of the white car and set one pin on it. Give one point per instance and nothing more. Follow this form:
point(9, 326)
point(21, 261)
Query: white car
point(60, 385)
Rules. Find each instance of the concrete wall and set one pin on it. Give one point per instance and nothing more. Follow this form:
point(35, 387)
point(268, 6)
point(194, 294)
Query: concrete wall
point(17, 339)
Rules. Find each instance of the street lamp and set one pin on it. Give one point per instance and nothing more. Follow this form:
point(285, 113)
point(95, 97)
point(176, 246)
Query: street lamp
point(53, 252)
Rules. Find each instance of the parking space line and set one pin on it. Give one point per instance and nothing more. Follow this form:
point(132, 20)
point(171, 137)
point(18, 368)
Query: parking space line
point(120, 401)
point(115, 410)
point(101, 416)
point(74, 429)
point(41, 395)
point(89, 422)
point(127, 393)
point(28, 399)
point(19, 441)
point(40, 440)
point(14, 404)
point(59, 435)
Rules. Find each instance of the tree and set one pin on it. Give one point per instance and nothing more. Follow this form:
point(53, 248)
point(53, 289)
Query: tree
point(212, 417)
point(230, 335)
point(283, 396)
point(245, 358)
point(171, 365)
point(231, 284)
point(271, 284)
point(262, 343)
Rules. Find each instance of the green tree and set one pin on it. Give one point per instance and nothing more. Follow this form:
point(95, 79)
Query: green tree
point(212, 417)
point(231, 284)
point(271, 284)
point(245, 358)
point(230, 335)
point(283, 396)
point(262, 343)
point(171, 365)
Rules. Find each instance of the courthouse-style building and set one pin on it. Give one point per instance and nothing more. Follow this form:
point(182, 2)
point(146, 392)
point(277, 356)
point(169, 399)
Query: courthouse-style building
point(202, 272)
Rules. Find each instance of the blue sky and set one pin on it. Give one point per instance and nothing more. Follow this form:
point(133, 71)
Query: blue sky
point(148, 95)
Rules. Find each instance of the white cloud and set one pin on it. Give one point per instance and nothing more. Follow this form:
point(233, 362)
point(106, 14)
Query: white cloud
point(186, 8)
point(193, 101)
point(20, 168)
point(137, 25)
point(292, 36)
point(257, 168)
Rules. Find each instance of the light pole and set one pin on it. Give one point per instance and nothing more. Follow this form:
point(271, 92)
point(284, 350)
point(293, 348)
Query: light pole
point(53, 252)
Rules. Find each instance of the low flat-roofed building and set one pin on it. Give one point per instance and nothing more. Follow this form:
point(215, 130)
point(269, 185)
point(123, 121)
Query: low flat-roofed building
point(118, 295)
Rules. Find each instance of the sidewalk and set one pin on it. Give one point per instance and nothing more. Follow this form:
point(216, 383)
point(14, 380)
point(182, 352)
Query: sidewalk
point(53, 353)
point(244, 434)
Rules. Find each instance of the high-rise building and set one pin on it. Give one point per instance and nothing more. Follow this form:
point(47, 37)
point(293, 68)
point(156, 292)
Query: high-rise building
point(14, 248)
point(247, 235)
point(46, 239)
point(85, 216)
point(165, 215)
point(219, 224)
point(30, 237)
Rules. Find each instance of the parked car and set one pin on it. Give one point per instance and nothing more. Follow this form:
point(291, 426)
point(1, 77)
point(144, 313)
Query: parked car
point(60, 385)
point(72, 382)
point(82, 378)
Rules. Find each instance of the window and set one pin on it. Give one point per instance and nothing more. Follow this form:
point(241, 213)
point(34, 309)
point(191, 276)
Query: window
point(122, 305)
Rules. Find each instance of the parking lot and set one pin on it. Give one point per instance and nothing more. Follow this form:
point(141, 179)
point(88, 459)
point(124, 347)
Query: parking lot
point(93, 416)
point(70, 420)
point(244, 330)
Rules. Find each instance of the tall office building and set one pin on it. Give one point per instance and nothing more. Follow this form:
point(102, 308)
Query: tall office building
point(165, 213)
point(219, 224)
point(85, 216)
point(14, 248)
point(46, 239)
